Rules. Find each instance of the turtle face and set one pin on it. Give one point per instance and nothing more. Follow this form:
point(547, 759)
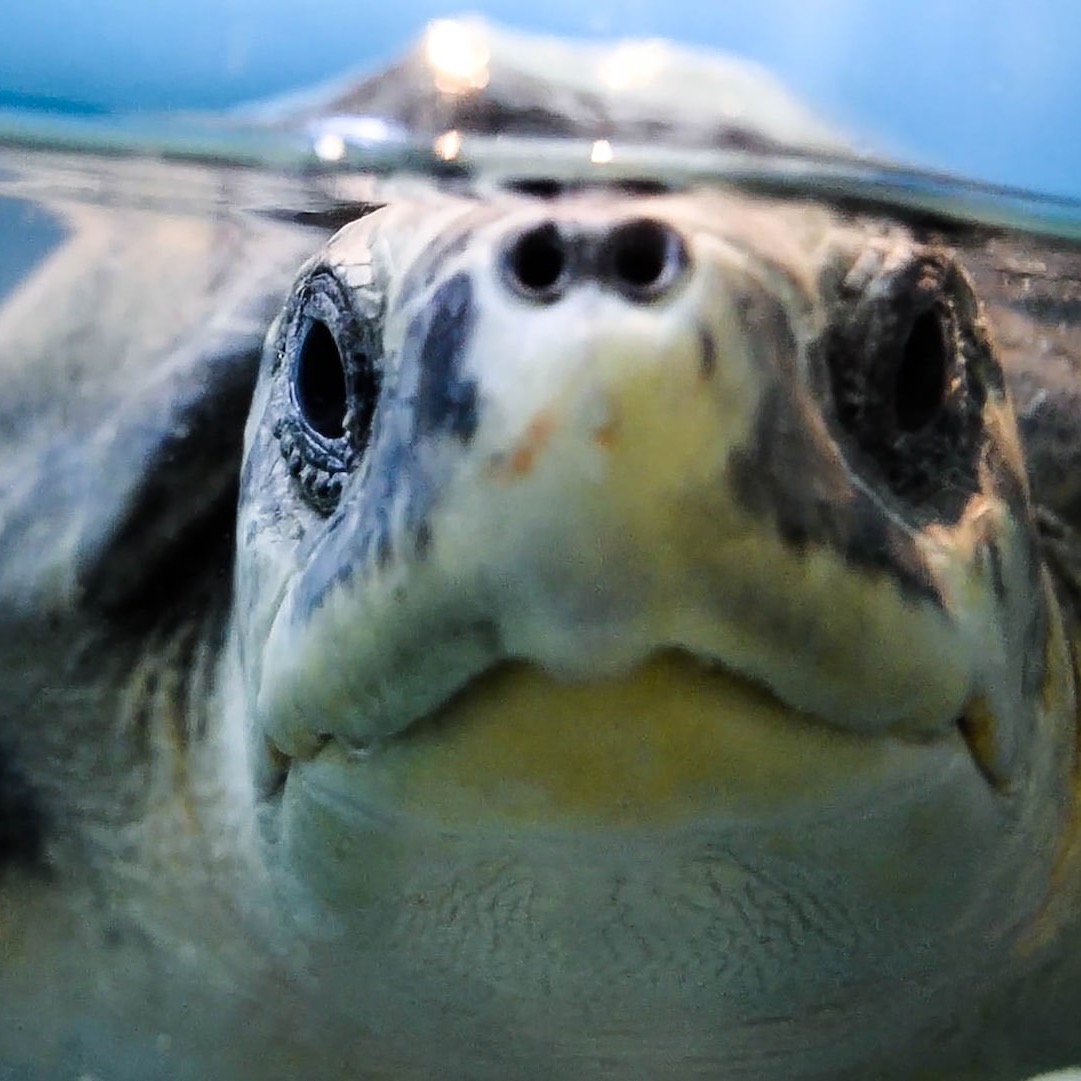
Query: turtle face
point(689, 529)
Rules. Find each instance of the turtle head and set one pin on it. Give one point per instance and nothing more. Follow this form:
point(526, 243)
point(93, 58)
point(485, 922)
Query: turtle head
point(690, 525)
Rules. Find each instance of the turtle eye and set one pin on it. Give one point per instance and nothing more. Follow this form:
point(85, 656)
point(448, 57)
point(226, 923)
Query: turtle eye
point(319, 382)
point(332, 387)
point(910, 367)
point(919, 390)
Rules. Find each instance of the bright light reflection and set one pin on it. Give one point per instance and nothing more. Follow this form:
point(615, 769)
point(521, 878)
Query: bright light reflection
point(329, 147)
point(602, 152)
point(458, 58)
point(448, 145)
point(633, 64)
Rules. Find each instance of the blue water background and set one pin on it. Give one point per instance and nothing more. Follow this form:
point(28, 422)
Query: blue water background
point(986, 88)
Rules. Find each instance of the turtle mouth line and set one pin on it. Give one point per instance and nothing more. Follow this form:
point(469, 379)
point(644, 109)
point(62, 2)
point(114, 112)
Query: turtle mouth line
point(674, 733)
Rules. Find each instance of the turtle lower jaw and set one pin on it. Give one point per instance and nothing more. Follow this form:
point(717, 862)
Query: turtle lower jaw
point(674, 739)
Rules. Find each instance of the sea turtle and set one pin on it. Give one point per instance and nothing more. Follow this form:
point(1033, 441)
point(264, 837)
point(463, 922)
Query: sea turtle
point(645, 646)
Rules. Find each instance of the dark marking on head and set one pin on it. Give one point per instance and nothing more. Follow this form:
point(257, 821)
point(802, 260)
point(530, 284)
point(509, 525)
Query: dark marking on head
point(994, 564)
point(791, 475)
point(792, 471)
point(384, 550)
point(375, 541)
point(436, 343)
point(422, 540)
point(22, 818)
point(707, 364)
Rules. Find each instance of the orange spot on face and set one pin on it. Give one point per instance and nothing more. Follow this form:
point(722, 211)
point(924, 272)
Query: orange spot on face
point(605, 436)
point(520, 461)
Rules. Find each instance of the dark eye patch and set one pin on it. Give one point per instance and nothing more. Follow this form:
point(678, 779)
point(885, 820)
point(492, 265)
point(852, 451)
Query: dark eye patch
point(909, 366)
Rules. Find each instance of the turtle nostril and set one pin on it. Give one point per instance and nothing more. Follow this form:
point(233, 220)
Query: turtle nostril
point(644, 258)
point(536, 262)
